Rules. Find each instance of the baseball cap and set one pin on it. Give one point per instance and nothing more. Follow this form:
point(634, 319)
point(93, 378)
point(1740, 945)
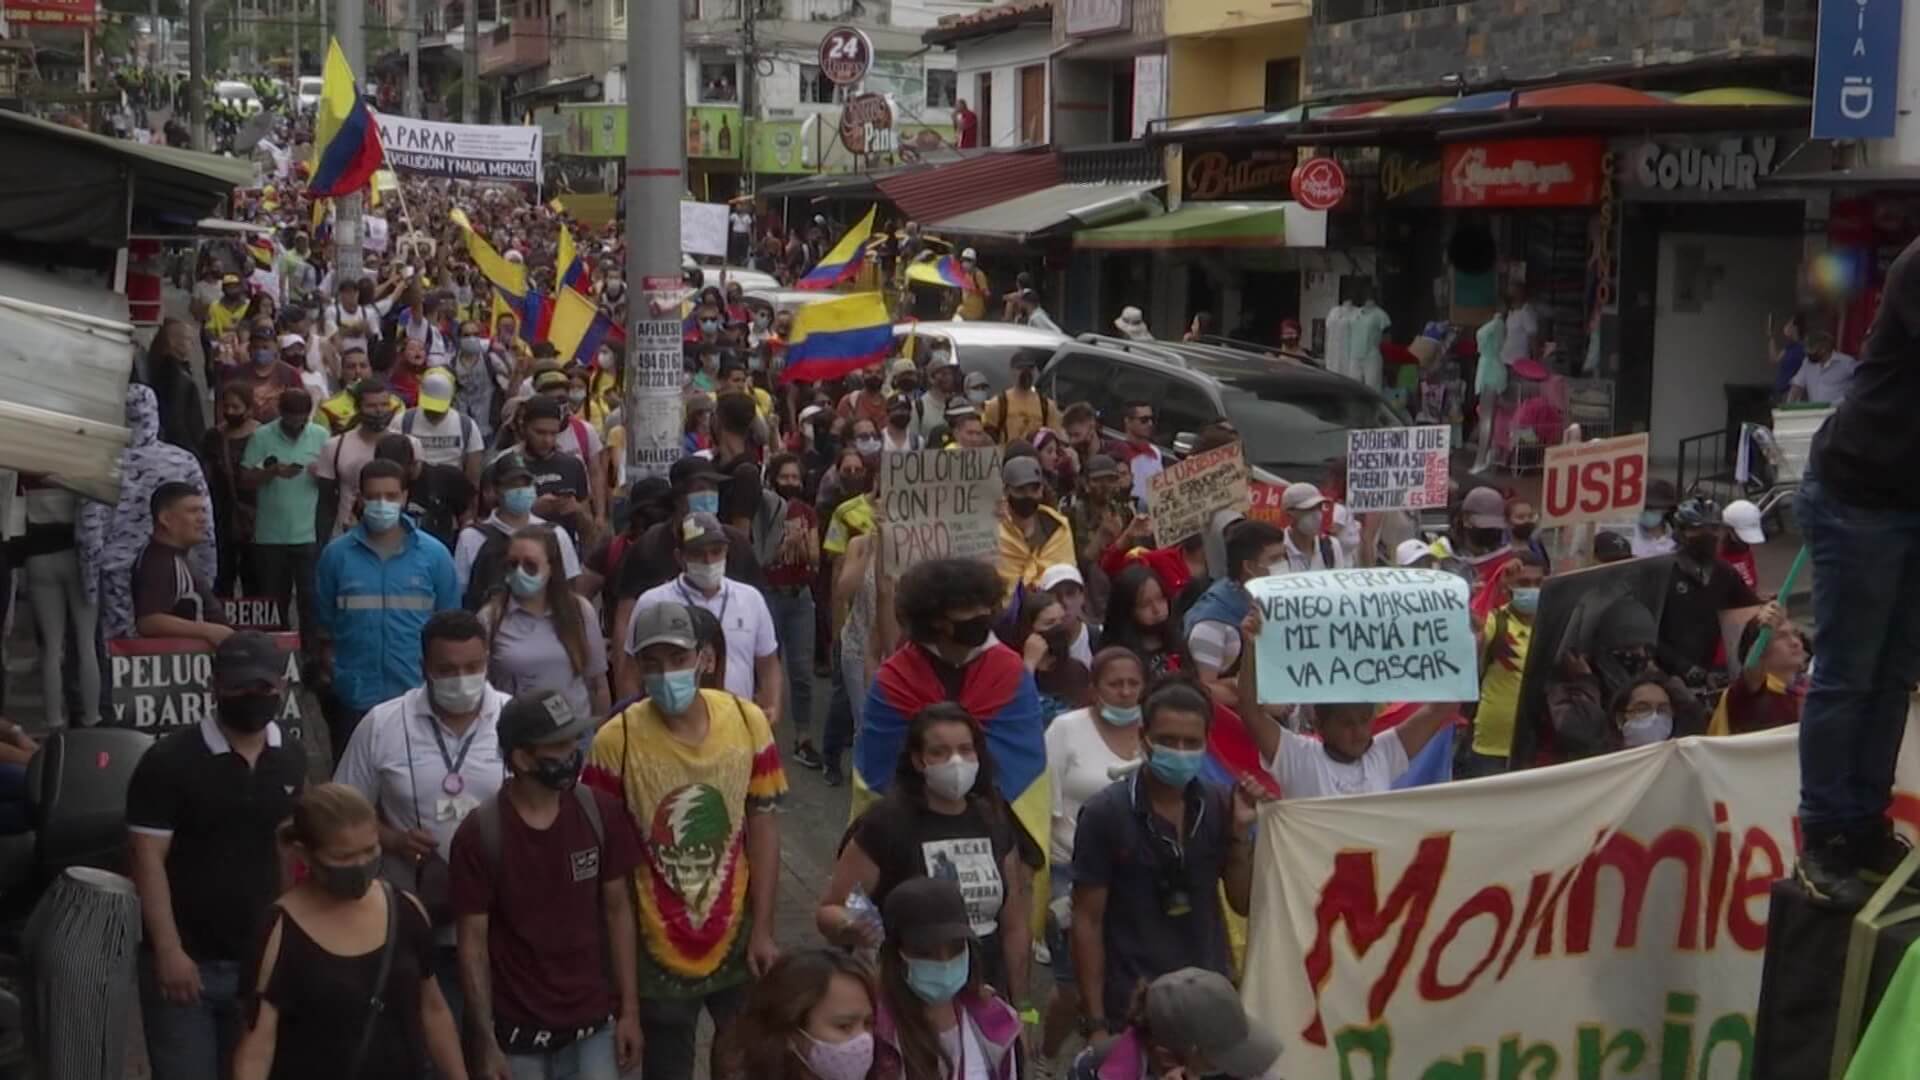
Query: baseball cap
point(1021, 471)
point(547, 380)
point(1023, 359)
point(811, 411)
point(1061, 574)
point(967, 253)
point(292, 341)
point(700, 530)
point(230, 279)
point(689, 469)
point(507, 468)
point(248, 659)
point(1103, 465)
point(1410, 552)
point(1610, 546)
point(436, 390)
point(665, 623)
point(903, 366)
point(1744, 519)
point(1194, 1009)
point(1661, 494)
point(959, 408)
point(1484, 508)
point(539, 716)
point(925, 913)
point(977, 380)
point(899, 401)
point(1301, 495)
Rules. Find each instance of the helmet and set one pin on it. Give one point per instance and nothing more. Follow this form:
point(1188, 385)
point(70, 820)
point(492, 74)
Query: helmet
point(1696, 512)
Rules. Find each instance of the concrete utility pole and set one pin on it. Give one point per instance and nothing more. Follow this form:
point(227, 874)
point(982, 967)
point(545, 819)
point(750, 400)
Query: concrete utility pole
point(749, 90)
point(470, 61)
point(298, 16)
point(413, 58)
point(656, 177)
point(346, 208)
point(197, 71)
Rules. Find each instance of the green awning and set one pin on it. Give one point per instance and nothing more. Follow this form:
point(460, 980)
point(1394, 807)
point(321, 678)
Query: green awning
point(1196, 225)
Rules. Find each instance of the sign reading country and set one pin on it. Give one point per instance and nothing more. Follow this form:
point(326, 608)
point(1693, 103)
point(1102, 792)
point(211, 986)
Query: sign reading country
point(501, 152)
point(1856, 70)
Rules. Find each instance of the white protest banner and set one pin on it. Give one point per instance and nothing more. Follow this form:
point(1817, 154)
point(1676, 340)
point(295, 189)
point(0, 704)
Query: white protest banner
point(1397, 468)
point(703, 228)
point(939, 504)
point(509, 153)
point(1615, 928)
point(1602, 480)
point(1182, 498)
point(1364, 635)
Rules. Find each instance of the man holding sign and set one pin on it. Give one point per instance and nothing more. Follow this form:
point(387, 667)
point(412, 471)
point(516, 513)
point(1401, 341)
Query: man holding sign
point(1347, 641)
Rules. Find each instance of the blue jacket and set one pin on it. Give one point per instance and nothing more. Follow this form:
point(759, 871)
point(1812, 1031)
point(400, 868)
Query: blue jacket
point(1225, 601)
point(373, 609)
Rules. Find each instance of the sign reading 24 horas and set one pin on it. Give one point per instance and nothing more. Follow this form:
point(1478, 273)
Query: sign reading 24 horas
point(845, 55)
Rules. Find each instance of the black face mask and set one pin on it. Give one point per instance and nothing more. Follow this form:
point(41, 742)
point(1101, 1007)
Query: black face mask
point(1023, 505)
point(788, 491)
point(1483, 539)
point(1633, 662)
point(872, 384)
point(898, 420)
point(1702, 549)
point(1025, 378)
point(973, 632)
point(349, 882)
point(248, 713)
point(1524, 531)
point(853, 485)
point(557, 773)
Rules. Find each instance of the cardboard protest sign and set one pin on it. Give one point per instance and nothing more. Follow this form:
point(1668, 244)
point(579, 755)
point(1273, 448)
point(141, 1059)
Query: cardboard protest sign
point(939, 504)
point(1183, 497)
point(1616, 927)
point(163, 684)
point(1264, 503)
point(1397, 468)
point(253, 613)
point(1364, 635)
point(1602, 480)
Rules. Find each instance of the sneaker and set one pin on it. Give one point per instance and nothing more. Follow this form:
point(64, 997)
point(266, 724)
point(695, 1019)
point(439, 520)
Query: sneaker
point(1041, 954)
point(831, 774)
point(1831, 872)
point(1879, 852)
point(805, 755)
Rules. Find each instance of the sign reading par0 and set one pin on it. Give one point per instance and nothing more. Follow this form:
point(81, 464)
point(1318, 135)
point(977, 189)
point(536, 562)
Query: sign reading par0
point(503, 152)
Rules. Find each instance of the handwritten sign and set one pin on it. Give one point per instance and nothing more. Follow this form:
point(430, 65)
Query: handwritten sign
point(162, 684)
point(1184, 497)
point(1397, 468)
point(939, 504)
point(1364, 635)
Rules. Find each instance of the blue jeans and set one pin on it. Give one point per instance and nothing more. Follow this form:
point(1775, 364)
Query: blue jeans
point(191, 1042)
point(792, 608)
point(591, 1058)
point(1866, 609)
point(839, 734)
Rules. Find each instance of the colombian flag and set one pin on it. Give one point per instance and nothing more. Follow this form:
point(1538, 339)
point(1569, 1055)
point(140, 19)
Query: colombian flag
point(837, 337)
point(346, 142)
point(578, 329)
point(945, 270)
point(568, 271)
point(845, 259)
point(507, 276)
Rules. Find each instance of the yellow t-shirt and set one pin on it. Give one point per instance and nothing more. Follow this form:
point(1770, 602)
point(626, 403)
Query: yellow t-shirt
point(1025, 412)
point(850, 519)
point(1500, 687)
point(221, 318)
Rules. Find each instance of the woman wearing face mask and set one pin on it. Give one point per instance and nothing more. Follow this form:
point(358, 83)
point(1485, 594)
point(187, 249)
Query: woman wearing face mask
point(1083, 748)
point(331, 939)
point(1505, 637)
point(1616, 654)
point(866, 439)
point(699, 427)
point(1644, 713)
point(541, 634)
point(938, 1020)
point(810, 1017)
point(1045, 642)
point(942, 807)
point(233, 506)
point(1137, 619)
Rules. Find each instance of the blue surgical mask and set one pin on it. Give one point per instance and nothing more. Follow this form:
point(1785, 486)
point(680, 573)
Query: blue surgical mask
point(264, 356)
point(1176, 767)
point(673, 691)
point(1120, 717)
point(1525, 601)
point(517, 502)
point(1651, 519)
point(935, 981)
point(523, 584)
point(380, 515)
point(703, 502)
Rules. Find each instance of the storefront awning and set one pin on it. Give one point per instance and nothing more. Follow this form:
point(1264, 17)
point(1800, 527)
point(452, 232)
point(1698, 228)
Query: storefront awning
point(959, 187)
point(1196, 225)
point(1056, 209)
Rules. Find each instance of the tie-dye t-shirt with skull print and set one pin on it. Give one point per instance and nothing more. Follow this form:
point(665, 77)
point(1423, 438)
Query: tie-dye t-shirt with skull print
point(691, 803)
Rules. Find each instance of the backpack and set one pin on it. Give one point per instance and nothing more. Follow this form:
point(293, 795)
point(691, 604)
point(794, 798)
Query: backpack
point(489, 567)
point(1046, 413)
point(489, 824)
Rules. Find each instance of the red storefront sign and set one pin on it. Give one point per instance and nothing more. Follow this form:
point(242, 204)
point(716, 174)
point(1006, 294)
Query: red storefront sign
point(1319, 183)
point(1522, 172)
point(83, 13)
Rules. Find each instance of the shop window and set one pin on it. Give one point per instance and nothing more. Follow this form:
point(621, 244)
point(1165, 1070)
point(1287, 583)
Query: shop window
point(983, 106)
point(719, 82)
point(943, 88)
point(817, 89)
point(1283, 84)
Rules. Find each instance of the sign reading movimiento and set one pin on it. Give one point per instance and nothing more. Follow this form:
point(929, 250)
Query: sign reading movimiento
point(508, 153)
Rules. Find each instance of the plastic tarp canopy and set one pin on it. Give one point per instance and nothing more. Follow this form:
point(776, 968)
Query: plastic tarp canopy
point(63, 382)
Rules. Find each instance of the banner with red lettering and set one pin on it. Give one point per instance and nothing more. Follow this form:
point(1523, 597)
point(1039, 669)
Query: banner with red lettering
point(1601, 918)
point(1598, 480)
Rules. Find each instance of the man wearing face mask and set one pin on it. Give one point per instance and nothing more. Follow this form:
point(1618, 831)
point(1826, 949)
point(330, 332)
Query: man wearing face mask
point(375, 588)
point(753, 649)
point(898, 434)
point(1618, 648)
point(1702, 586)
point(265, 370)
point(1505, 636)
point(1308, 545)
point(654, 559)
point(479, 560)
point(427, 757)
point(1033, 535)
point(1019, 411)
point(541, 894)
point(203, 808)
point(943, 378)
point(341, 459)
point(868, 401)
point(701, 771)
point(1254, 550)
point(1478, 537)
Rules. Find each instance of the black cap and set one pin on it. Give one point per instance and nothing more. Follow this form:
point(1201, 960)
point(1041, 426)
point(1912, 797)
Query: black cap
point(924, 913)
point(539, 716)
point(1610, 546)
point(248, 659)
point(508, 466)
point(649, 489)
point(688, 469)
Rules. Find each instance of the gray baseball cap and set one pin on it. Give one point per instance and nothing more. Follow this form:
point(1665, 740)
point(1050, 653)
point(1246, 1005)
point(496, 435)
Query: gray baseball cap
point(1021, 471)
point(539, 716)
point(1194, 1009)
point(663, 624)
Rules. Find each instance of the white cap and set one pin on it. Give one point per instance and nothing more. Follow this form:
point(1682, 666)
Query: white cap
point(967, 253)
point(1744, 519)
point(1410, 552)
point(288, 341)
point(1060, 574)
point(1301, 495)
point(810, 412)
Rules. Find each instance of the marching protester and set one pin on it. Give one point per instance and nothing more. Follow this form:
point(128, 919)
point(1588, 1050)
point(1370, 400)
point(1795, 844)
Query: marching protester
point(1254, 550)
point(542, 635)
point(1309, 545)
point(233, 506)
point(1505, 637)
point(810, 1017)
point(341, 459)
point(1610, 677)
point(791, 575)
point(1045, 642)
point(1186, 1023)
point(540, 888)
point(480, 554)
point(1139, 619)
point(1033, 535)
point(1653, 533)
point(287, 499)
point(1702, 587)
point(938, 1017)
point(1744, 533)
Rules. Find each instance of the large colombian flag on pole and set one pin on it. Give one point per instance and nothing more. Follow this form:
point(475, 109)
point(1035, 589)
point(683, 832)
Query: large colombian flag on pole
point(833, 338)
point(844, 260)
point(346, 142)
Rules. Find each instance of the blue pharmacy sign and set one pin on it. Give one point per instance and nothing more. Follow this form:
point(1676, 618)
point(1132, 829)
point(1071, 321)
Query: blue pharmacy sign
point(1857, 69)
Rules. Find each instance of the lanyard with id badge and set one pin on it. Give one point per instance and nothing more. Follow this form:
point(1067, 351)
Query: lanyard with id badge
point(453, 803)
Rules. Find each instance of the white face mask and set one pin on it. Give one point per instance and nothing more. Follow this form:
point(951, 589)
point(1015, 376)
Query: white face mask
point(1647, 730)
point(952, 778)
point(706, 575)
point(1311, 522)
point(459, 693)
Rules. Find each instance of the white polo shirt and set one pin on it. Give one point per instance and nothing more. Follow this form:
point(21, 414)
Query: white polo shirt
point(472, 539)
point(395, 761)
point(744, 619)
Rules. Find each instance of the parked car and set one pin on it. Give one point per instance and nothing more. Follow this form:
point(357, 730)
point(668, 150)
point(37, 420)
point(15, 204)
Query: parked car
point(985, 347)
point(239, 95)
point(307, 91)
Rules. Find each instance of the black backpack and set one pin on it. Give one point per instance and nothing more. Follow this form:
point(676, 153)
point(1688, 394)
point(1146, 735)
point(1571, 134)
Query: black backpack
point(489, 567)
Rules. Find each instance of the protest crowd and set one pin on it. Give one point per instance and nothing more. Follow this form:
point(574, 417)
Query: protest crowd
point(563, 702)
